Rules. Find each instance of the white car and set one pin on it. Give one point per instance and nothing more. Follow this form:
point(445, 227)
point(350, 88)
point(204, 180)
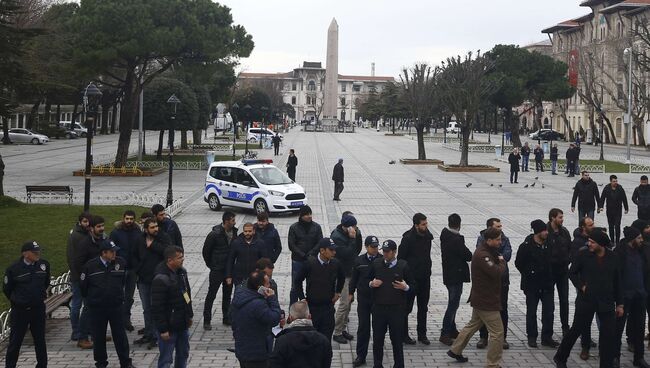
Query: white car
point(255, 134)
point(77, 128)
point(19, 135)
point(453, 127)
point(252, 184)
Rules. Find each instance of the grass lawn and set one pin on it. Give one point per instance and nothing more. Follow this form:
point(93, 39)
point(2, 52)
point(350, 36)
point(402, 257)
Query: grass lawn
point(47, 224)
point(610, 166)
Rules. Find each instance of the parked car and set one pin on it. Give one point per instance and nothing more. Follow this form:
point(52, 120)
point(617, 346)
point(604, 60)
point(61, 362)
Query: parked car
point(19, 135)
point(57, 131)
point(546, 135)
point(453, 127)
point(76, 127)
point(255, 134)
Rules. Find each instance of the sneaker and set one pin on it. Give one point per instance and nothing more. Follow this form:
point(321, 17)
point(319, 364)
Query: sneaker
point(550, 343)
point(459, 358)
point(409, 341)
point(207, 326)
point(584, 354)
point(340, 339)
point(84, 344)
point(347, 335)
point(446, 339)
point(482, 343)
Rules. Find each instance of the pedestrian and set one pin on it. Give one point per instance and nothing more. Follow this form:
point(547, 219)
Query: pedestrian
point(559, 242)
point(415, 249)
point(347, 249)
point(255, 310)
point(304, 236)
point(266, 266)
point(534, 263)
point(614, 197)
point(78, 320)
point(513, 160)
point(299, 345)
point(595, 272)
point(455, 272)
point(25, 285)
point(571, 160)
point(126, 234)
point(554, 157)
point(392, 281)
point(644, 229)
point(641, 197)
point(525, 156)
point(360, 283)
point(102, 284)
point(325, 279)
point(167, 225)
point(265, 231)
point(245, 251)
point(586, 193)
point(539, 158)
point(337, 177)
point(149, 252)
point(215, 254)
point(276, 139)
point(292, 162)
point(485, 298)
point(87, 249)
point(634, 269)
point(171, 310)
point(505, 251)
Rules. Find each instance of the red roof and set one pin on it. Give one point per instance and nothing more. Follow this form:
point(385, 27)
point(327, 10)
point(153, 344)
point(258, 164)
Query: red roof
point(569, 24)
point(626, 5)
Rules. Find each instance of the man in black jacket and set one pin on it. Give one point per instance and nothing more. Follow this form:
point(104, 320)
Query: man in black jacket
point(455, 272)
point(245, 251)
point(539, 158)
point(215, 254)
point(325, 278)
point(292, 162)
point(267, 232)
point(299, 345)
point(78, 321)
point(641, 197)
point(534, 263)
point(633, 272)
point(359, 283)
point(102, 284)
point(559, 242)
point(586, 192)
point(304, 236)
point(572, 154)
point(171, 299)
point(415, 249)
point(614, 196)
point(167, 225)
point(125, 235)
point(596, 273)
point(149, 253)
point(644, 228)
point(338, 177)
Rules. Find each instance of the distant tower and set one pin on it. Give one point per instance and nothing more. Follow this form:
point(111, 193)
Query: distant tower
point(372, 69)
point(330, 102)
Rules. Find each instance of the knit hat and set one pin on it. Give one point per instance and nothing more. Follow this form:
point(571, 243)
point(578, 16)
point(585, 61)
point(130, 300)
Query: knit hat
point(631, 233)
point(538, 226)
point(326, 243)
point(600, 237)
point(640, 224)
point(348, 221)
point(304, 210)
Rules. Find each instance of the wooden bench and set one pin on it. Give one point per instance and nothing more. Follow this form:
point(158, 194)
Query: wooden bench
point(48, 190)
point(55, 301)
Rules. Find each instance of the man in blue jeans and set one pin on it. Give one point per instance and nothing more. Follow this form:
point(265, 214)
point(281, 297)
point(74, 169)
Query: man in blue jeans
point(78, 321)
point(455, 272)
point(525, 156)
point(171, 309)
point(304, 236)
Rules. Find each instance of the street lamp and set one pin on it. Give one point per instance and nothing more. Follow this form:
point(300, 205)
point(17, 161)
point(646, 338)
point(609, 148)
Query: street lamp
point(264, 110)
point(175, 101)
point(628, 118)
point(92, 98)
point(551, 114)
point(247, 109)
point(503, 132)
point(233, 109)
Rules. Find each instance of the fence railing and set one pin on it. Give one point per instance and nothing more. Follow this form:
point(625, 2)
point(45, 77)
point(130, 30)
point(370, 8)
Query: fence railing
point(639, 169)
point(595, 168)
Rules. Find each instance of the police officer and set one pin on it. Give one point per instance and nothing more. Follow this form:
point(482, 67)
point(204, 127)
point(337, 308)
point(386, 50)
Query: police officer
point(391, 282)
point(102, 284)
point(359, 283)
point(25, 285)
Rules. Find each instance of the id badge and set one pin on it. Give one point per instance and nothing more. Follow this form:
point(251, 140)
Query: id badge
point(186, 296)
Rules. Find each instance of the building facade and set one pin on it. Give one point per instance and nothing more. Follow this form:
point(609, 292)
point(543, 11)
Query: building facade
point(303, 88)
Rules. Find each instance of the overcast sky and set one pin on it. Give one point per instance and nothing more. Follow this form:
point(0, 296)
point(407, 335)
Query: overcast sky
point(390, 33)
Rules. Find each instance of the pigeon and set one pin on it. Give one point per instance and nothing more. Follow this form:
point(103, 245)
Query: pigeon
point(601, 184)
point(526, 186)
point(419, 181)
point(500, 185)
point(543, 186)
point(491, 185)
point(532, 185)
point(537, 177)
point(391, 162)
point(468, 185)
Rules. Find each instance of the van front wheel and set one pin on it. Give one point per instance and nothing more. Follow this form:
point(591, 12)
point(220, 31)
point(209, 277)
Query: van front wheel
point(261, 206)
point(213, 202)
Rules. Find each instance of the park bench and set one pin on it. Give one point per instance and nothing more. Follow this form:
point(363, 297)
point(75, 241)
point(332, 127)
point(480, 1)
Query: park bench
point(48, 191)
point(55, 301)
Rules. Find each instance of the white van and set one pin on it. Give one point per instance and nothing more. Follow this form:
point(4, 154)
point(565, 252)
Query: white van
point(252, 184)
point(453, 127)
point(255, 134)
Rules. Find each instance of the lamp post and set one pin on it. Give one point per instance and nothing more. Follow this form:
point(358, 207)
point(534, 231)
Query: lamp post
point(628, 118)
point(503, 132)
point(264, 110)
point(247, 109)
point(175, 101)
point(551, 114)
point(233, 109)
point(92, 98)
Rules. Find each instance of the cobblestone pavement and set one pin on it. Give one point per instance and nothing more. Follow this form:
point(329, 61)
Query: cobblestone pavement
point(383, 197)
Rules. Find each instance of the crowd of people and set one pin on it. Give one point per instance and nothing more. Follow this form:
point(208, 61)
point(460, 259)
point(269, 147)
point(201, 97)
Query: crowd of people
point(329, 274)
point(519, 160)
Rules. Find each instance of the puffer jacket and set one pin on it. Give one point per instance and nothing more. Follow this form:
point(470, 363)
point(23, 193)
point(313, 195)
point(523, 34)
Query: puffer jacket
point(253, 316)
point(301, 346)
point(303, 238)
point(415, 249)
point(169, 309)
point(127, 240)
point(217, 247)
point(77, 235)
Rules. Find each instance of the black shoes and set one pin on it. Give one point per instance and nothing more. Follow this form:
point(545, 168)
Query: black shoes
point(226, 321)
point(482, 343)
point(340, 339)
point(141, 331)
point(347, 335)
point(143, 340)
point(550, 343)
point(129, 326)
point(207, 326)
point(409, 341)
point(459, 358)
point(424, 340)
point(446, 339)
point(358, 362)
point(558, 363)
point(532, 343)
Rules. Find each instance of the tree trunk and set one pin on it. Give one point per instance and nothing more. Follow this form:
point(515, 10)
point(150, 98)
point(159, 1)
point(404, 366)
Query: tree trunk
point(114, 117)
point(513, 126)
point(422, 155)
point(610, 130)
point(74, 113)
point(33, 115)
point(127, 118)
point(48, 111)
point(196, 136)
point(161, 136)
point(464, 151)
point(183, 139)
point(106, 105)
point(639, 132)
point(58, 113)
point(592, 126)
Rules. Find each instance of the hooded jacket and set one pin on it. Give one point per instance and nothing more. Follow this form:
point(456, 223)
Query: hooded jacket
point(303, 238)
point(77, 235)
point(347, 249)
point(170, 227)
point(415, 249)
point(127, 240)
point(243, 257)
point(271, 239)
point(253, 316)
point(455, 256)
point(301, 346)
point(217, 247)
point(586, 193)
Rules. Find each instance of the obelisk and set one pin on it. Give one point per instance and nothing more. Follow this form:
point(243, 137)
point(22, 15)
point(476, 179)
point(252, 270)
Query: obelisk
point(330, 99)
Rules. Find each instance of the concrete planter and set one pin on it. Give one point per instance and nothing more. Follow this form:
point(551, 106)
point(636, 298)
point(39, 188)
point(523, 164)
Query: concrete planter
point(123, 172)
point(470, 168)
point(394, 135)
point(414, 161)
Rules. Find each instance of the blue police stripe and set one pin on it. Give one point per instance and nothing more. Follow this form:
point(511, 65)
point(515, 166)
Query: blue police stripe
point(213, 186)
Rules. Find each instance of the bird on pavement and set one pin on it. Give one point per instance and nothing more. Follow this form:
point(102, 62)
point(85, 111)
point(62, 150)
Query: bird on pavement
point(500, 185)
point(537, 177)
point(543, 186)
point(526, 186)
point(418, 180)
point(468, 185)
point(491, 185)
point(532, 185)
point(391, 162)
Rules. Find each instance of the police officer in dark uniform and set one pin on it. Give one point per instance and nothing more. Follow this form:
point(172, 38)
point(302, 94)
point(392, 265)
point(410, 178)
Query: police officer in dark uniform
point(391, 282)
point(359, 283)
point(25, 285)
point(102, 284)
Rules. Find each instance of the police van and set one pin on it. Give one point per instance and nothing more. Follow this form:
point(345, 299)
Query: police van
point(253, 184)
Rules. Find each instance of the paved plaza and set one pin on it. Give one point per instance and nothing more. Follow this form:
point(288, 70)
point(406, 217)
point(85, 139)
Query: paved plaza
point(383, 198)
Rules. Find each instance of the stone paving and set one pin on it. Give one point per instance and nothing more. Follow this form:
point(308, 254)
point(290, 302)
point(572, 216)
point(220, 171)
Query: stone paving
point(383, 197)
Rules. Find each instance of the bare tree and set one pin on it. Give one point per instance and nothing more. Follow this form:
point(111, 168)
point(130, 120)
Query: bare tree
point(418, 83)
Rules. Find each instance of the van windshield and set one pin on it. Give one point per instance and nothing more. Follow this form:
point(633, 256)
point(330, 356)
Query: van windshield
point(270, 176)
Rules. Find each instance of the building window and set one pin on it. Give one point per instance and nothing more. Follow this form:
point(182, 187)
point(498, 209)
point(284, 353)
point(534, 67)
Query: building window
point(294, 86)
point(293, 100)
point(343, 102)
point(356, 88)
point(619, 127)
point(311, 86)
point(344, 87)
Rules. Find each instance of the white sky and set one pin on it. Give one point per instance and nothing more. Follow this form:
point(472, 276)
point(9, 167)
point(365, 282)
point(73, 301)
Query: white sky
point(391, 33)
